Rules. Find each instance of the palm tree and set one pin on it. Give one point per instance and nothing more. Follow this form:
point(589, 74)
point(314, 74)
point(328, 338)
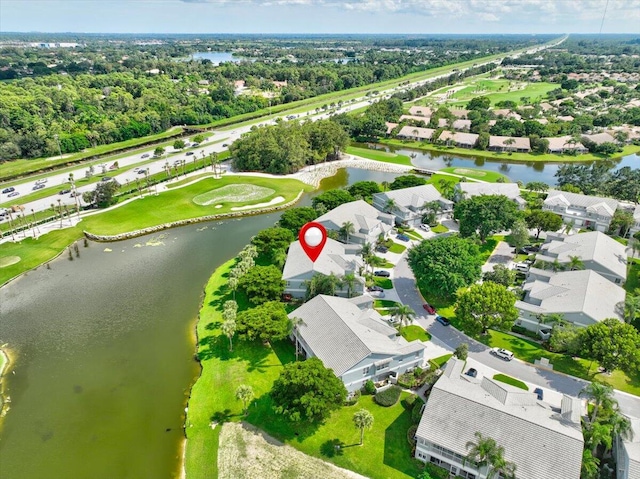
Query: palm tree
point(245, 394)
point(589, 469)
point(366, 252)
point(508, 142)
point(295, 324)
point(601, 396)
point(487, 453)
point(385, 185)
point(233, 285)
point(550, 319)
point(431, 211)
point(620, 427)
point(362, 419)
point(599, 433)
point(575, 263)
point(631, 307)
point(229, 329)
point(346, 230)
point(349, 280)
point(555, 266)
point(389, 206)
point(568, 227)
point(404, 314)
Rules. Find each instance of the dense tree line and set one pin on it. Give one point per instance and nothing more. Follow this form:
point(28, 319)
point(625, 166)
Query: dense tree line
point(601, 179)
point(288, 146)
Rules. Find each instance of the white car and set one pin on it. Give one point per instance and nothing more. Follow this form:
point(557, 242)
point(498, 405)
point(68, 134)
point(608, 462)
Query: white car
point(503, 354)
point(425, 227)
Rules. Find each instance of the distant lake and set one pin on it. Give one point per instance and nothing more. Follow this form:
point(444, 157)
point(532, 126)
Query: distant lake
point(218, 57)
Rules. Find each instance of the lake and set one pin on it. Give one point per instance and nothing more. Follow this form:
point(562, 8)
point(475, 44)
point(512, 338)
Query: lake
point(217, 57)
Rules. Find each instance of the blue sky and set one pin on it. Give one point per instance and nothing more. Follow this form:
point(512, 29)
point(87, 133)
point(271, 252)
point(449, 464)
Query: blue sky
point(321, 16)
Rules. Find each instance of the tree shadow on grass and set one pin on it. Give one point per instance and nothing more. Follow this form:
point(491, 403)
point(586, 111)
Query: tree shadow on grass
point(332, 448)
point(285, 350)
point(220, 417)
point(262, 415)
point(397, 451)
point(217, 346)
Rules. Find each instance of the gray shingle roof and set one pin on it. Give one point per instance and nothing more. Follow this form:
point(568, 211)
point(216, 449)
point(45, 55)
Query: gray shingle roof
point(363, 216)
point(592, 246)
point(416, 196)
point(542, 443)
point(510, 190)
point(632, 449)
point(333, 259)
point(573, 292)
point(596, 204)
point(341, 335)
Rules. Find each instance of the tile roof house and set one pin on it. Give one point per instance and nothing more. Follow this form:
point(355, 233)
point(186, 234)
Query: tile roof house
point(414, 117)
point(585, 211)
point(509, 143)
point(415, 133)
point(563, 144)
point(356, 343)
point(461, 140)
point(390, 127)
point(628, 453)
point(461, 124)
point(542, 441)
point(368, 222)
point(420, 111)
point(600, 138)
point(597, 251)
point(336, 258)
point(582, 297)
point(506, 113)
point(408, 203)
point(466, 190)
point(459, 113)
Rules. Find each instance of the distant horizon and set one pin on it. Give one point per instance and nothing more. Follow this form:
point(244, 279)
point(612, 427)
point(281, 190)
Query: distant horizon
point(328, 17)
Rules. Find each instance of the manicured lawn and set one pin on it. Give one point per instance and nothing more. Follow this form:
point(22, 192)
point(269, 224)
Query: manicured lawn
point(484, 175)
point(413, 235)
point(633, 277)
point(385, 454)
point(440, 229)
point(397, 248)
point(488, 246)
point(503, 378)
point(384, 303)
point(384, 283)
point(379, 155)
point(179, 204)
point(440, 360)
point(498, 90)
point(413, 332)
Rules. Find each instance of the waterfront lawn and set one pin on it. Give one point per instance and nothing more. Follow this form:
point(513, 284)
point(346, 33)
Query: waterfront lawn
point(385, 454)
point(178, 204)
point(379, 155)
point(503, 378)
point(33, 253)
point(476, 174)
point(413, 332)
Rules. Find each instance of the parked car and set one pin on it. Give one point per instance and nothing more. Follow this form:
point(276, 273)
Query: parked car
point(64, 192)
point(146, 155)
point(403, 237)
point(381, 273)
point(9, 190)
point(522, 267)
point(429, 309)
point(503, 354)
point(528, 249)
point(425, 227)
point(382, 249)
point(377, 294)
point(442, 320)
point(38, 186)
point(375, 287)
point(471, 372)
point(540, 393)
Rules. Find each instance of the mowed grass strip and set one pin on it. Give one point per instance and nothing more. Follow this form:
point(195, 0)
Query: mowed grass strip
point(178, 204)
point(379, 155)
point(503, 378)
point(477, 174)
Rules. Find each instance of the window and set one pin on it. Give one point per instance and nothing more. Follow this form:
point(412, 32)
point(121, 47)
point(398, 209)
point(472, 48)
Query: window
point(365, 371)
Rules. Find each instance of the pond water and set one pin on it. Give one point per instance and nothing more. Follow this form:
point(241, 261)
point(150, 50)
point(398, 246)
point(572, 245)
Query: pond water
point(525, 172)
point(105, 346)
point(217, 57)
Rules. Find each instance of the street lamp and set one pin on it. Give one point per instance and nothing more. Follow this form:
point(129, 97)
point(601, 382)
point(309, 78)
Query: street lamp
point(58, 142)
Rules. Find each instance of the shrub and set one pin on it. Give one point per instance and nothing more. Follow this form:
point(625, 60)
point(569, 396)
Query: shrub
point(407, 380)
point(416, 413)
point(388, 397)
point(369, 387)
point(407, 402)
point(352, 399)
point(411, 433)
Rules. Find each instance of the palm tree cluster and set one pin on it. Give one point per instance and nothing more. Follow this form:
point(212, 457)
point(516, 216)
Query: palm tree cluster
point(602, 427)
point(574, 264)
point(244, 262)
point(487, 454)
point(330, 284)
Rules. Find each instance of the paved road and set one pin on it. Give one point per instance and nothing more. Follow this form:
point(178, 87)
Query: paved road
point(405, 285)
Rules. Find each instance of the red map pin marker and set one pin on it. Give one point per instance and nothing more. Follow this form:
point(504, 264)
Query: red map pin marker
point(312, 238)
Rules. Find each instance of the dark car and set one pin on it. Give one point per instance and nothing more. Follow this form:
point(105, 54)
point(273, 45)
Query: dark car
point(402, 237)
point(382, 249)
point(142, 171)
point(539, 392)
point(39, 186)
point(189, 153)
point(429, 309)
point(224, 145)
point(9, 190)
point(375, 287)
point(471, 372)
point(64, 192)
point(106, 178)
point(74, 194)
point(381, 273)
point(146, 155)
point(529, 249)
point(442, 320)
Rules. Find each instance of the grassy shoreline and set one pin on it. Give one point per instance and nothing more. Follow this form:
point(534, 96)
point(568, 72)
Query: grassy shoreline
point(507, 157)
